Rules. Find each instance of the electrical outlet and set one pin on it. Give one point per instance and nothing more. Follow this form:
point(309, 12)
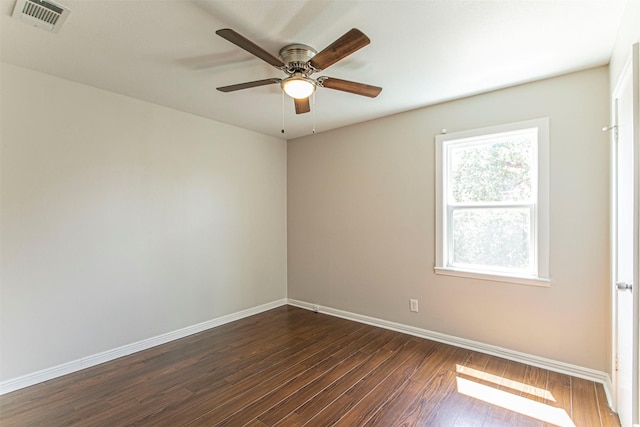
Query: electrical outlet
point(413, 303)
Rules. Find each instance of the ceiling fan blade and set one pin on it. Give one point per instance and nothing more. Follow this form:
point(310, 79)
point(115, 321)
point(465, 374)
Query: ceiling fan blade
point(249, 46)
point(350, 42)
point(302, 105)
point(248, 85)
point(351, 87)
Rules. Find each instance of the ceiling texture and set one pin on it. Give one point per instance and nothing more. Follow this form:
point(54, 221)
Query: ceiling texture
point(421, 52)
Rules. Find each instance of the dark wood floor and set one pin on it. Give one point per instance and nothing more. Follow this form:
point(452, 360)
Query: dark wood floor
point(292, 367)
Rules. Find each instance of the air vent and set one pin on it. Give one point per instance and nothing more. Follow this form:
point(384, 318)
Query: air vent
point(47, 15)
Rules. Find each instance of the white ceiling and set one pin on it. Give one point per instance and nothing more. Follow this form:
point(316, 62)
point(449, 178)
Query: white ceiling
point(421, 52)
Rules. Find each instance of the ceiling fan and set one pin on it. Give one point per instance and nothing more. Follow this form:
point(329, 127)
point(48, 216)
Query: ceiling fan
point(299, 62)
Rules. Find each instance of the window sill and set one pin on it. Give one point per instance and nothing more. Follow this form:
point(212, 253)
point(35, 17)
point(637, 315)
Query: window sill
point(519, 280)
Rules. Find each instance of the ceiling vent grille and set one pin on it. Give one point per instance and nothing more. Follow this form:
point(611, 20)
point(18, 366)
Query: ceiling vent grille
point(47, 15)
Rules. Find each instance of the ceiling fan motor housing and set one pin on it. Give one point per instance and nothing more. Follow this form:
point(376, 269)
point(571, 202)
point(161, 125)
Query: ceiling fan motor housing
point(296, 58)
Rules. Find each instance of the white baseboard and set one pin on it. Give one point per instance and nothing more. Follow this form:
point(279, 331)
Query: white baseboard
point(105, 356)
point(85, 362)
point(529, 359)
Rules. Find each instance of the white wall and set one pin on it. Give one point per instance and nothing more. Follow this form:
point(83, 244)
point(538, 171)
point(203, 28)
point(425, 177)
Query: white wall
point(361, 223)
point(122, 220)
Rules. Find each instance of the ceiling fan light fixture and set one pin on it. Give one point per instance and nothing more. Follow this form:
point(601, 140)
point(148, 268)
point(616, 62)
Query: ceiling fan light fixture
point(298, 87)
point(299, 62)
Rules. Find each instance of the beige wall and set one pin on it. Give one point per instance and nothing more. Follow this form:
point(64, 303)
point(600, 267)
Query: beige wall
point(361, 223)
point(122, 220)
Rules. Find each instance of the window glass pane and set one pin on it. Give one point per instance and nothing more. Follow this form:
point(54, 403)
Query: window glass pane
point(496, 171)
point(493, 238)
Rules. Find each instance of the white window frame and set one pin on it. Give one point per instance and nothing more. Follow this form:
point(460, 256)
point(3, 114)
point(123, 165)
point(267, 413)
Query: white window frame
point(540, 209)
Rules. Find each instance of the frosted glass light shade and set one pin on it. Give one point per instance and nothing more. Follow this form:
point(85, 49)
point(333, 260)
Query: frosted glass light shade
point(298, 87)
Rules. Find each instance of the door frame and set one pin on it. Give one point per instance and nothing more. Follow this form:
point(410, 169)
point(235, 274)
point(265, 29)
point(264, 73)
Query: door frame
point(632, 66)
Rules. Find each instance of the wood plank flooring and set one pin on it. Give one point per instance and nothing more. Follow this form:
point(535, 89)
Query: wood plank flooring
point(292, 367)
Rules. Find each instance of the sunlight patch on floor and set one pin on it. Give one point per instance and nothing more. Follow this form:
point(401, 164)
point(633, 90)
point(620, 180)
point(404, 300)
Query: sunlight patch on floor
point(505, 382)
point(521, 405)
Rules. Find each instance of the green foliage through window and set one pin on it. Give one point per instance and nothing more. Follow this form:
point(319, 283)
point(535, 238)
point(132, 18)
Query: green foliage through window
point(497, 238)
point(491, 201)
point(492, 172)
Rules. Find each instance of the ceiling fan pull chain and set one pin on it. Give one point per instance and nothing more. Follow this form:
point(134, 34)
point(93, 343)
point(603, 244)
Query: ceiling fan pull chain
point(282, 130)
point(313, 113)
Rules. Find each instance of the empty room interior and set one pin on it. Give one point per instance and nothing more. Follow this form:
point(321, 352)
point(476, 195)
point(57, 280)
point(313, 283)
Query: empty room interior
point(431, 235)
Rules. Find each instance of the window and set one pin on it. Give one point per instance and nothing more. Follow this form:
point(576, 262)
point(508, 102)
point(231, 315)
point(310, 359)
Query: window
point(492, 216)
